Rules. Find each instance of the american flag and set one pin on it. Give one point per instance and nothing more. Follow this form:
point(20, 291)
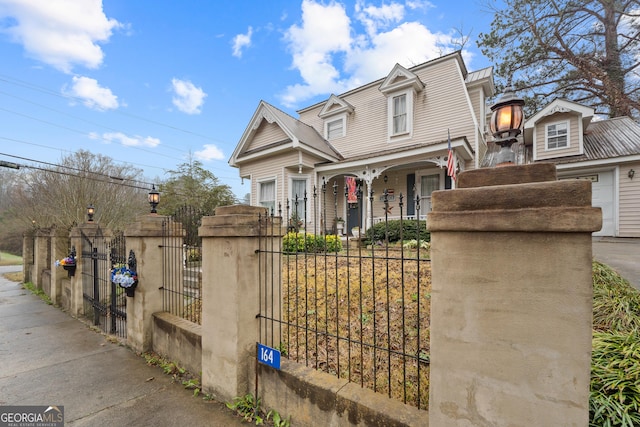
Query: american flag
point(451, 164)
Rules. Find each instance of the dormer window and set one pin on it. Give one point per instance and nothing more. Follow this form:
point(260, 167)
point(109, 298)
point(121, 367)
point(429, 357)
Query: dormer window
point(401, 88)
point(557, 135)
point(334, 113)
point(335, 127)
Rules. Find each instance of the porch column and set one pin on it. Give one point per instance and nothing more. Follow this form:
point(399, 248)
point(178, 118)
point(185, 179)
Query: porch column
point(511, 300)
point(230, 297)
point(144, 238)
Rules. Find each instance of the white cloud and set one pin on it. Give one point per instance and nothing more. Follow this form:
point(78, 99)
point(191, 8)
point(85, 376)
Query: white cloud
point(92, 94)
point(187, 97)
point(126, 140)
point(241, 41)
point(61, 33)
point(332, 57)
point(209, 152)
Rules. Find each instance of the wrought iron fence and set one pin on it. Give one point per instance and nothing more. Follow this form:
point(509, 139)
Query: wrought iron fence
point(359, 311)
point(104, 301)
point(182, 264)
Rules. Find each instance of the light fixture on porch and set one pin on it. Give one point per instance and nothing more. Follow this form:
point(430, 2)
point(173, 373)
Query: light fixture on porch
point(90, 212)
point(506, 120)
point(299, 167)
point(154, 198)
point(631, 173)
point(385, 178)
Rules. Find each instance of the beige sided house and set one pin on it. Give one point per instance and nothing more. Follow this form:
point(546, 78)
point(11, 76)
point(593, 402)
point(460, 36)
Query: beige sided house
point(388, 134)
point(607, 152)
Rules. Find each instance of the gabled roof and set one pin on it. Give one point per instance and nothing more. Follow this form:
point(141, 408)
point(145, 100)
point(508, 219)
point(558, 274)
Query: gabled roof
point(558, 106)
point(400, 78)
point(561, 106)
point(335, 105)
point(300, 135)
point(608, 139)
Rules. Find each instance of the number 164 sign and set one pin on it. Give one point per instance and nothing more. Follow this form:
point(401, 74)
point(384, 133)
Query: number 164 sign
point(268, 356)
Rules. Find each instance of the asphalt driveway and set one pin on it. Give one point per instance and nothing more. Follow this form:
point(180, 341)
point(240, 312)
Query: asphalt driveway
point(621, 254)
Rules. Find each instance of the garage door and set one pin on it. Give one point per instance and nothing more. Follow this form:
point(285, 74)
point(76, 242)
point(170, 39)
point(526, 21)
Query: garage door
point(602, 196)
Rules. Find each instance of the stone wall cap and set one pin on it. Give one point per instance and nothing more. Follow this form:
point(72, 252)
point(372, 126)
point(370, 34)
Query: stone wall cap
point(514, 196)
point(516, 174)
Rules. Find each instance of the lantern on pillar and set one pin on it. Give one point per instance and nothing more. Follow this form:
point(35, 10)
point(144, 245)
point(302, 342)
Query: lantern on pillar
point(154, 199)
point(506, 120)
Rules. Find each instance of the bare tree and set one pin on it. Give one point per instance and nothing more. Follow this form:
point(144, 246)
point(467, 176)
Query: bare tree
point(586, 51)
point(59, 196)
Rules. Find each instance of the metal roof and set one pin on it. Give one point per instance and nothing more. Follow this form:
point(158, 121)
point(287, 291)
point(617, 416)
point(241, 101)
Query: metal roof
point(607, 139)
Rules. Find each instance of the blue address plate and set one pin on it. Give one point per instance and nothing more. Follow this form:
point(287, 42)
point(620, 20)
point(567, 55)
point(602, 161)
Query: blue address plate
point(268, 356)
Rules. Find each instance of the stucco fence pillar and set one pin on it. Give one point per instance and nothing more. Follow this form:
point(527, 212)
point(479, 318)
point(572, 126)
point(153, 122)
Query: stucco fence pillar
point(60, 248)
point(230, 298)
point(41, 255)
point(28, 246)
point(511, 298)
point(144, 238)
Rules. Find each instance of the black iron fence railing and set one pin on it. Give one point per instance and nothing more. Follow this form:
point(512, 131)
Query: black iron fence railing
point(357, 309)
point(181, 264)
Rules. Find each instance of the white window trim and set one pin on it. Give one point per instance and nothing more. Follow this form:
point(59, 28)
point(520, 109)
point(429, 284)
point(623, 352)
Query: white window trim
point(409, 131)
point(426, 172)
point(259, 182)
point(300, 196)
point(328, 120)
point(546, 135)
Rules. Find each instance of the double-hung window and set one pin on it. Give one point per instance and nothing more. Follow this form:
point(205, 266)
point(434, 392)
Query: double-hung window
point(557, 135)
point(298, 193)
point(399, 114)
point(335, 128)
point(267, 194)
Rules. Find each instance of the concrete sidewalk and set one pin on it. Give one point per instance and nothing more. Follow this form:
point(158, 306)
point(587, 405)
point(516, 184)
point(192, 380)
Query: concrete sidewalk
point(50, 358)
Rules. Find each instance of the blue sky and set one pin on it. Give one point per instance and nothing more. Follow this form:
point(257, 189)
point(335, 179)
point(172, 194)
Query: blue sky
point(150, 83)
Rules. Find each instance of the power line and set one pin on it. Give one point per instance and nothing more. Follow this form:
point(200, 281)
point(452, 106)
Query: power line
point(75, 169)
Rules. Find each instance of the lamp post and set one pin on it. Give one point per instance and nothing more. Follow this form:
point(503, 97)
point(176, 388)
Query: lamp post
point(90, 212)
point(506, 120)
point(154, 199)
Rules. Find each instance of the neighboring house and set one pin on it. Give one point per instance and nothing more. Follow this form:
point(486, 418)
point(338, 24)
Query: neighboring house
point(607, 152)
point(389, 134)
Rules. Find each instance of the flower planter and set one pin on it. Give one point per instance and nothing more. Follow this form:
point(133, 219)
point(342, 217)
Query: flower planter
point(131, 290)
point(71, 269)
point(126, 278)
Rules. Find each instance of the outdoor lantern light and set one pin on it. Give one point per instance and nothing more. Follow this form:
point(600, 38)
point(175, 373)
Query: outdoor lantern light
point(506, 120)
point(631, 173)
point(154, 199)
point(90, 211)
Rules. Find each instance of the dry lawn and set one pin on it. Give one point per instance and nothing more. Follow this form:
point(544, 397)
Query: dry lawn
point(360, 318)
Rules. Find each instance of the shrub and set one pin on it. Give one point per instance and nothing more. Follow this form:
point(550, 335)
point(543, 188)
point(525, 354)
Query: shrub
point(306, 242)
point(615, 359)
point(616, 304)
point(411, 230)
point(615, 379)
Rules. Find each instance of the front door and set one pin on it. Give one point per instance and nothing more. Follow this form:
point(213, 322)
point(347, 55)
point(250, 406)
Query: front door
point(354, 204)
